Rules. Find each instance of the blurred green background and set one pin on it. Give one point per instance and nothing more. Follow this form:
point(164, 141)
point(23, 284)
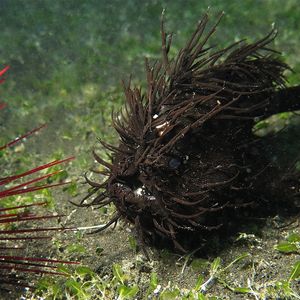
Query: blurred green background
point(68, 57)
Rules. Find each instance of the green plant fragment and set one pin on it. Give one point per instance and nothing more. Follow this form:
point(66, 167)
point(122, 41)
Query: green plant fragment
point(76, 248)
point(241, 257)
point(286, 247)
point(153, 281)
point(215, 265)
point(76, 289)
point(132, 243)
point(72, 189)
point(63, 269)
point(201, 297)
point(170, 294)
point(199, 283)
point(83, 271)
point(293, 237)
point(118, 273)
point(295, 274)
point(242, 290)
point(152, 284)
point(127, 292)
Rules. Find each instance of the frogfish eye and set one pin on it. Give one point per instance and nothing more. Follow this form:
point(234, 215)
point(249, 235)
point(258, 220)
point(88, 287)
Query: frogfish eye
point(174, 163)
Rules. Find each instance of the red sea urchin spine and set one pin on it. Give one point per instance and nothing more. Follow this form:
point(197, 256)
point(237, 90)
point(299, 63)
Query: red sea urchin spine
point(23, 263)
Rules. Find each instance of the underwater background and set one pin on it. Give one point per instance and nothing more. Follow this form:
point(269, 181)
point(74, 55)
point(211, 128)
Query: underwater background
point(67, 61)
point(66, 55)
